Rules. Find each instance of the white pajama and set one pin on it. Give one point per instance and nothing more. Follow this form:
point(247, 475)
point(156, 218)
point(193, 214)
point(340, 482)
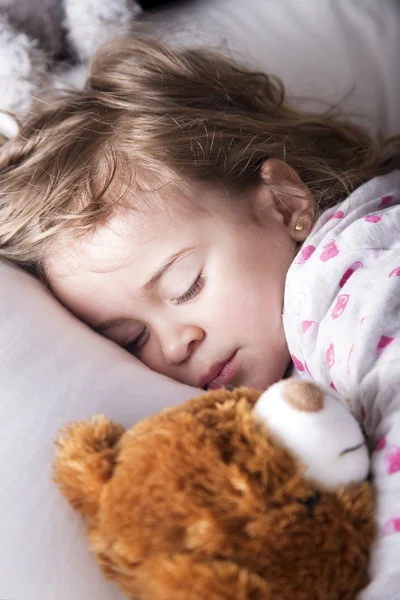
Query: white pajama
point(342, 323)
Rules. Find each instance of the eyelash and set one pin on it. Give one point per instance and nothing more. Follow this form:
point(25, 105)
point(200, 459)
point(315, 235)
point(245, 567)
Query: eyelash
point(132, 346)
point(194, 289)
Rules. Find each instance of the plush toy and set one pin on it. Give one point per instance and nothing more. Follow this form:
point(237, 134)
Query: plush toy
point(47, 43)
point(229, 496)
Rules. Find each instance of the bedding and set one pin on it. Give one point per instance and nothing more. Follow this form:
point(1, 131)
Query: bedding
point(324, 51)
point(53, 368)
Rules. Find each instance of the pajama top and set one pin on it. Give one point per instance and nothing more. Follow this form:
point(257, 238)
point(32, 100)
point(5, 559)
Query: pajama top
point(342, 324)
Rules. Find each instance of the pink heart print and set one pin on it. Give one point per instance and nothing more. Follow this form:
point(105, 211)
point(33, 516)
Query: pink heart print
point(305, 325)
point(383, 343)
point(391, 526)
point(297, 363)
point(381, 444)
point(341, 303)
point(310, 329)
point(330, 356)
point(385, 201)
point(339, 214)
point(305, 254)
point(373, 218)
point(349, 272)
point(330, 251)
point(392, 459)
point(395, 272)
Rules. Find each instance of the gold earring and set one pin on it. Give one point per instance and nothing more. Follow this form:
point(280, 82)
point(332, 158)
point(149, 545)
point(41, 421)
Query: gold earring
point(299, 227)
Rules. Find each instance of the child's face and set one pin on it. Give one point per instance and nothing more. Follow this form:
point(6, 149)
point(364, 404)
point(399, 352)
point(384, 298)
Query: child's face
point(197, 295)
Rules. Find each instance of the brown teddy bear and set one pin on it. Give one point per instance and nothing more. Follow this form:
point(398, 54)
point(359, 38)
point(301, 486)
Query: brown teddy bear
point(229, 496)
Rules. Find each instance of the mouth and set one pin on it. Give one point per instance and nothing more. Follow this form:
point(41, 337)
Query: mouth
point(220, 374)
point(352, 449)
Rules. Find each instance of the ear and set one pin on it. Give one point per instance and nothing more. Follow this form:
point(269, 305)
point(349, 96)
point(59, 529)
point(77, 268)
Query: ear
point(291, 197)
point(87, 452)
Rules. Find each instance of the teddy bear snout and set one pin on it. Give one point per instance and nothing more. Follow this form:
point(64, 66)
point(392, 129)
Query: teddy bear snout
point(303, 396)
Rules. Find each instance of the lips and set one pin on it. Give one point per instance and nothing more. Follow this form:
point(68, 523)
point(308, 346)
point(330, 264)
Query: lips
point(220, 374)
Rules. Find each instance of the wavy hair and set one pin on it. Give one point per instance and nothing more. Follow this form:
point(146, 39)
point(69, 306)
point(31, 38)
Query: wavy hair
point(150, 113)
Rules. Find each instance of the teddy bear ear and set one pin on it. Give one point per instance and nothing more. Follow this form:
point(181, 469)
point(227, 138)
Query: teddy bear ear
point(86, 455)
point(182, 576)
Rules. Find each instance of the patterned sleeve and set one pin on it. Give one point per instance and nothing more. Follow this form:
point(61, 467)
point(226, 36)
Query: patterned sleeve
point(374, 361)
point(342, 320)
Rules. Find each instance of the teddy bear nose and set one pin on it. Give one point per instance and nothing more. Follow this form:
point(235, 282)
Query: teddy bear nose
point(303, 396)
point(311, 502)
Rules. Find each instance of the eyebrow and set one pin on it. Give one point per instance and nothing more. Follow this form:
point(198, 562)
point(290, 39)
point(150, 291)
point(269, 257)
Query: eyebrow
point(163, 268)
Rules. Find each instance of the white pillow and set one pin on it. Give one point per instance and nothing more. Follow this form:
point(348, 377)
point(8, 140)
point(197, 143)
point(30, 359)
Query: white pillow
point(328, 50)
point(54, 369)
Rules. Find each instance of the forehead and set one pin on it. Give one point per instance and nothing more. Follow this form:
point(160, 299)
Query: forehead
point(157, 223)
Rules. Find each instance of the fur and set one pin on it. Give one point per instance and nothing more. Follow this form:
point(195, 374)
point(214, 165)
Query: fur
point(200, 502)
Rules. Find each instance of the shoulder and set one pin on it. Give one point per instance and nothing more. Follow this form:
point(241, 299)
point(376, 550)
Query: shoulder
point(367, 219)
point(376, 201)
point(351, 249)
point(342, 298)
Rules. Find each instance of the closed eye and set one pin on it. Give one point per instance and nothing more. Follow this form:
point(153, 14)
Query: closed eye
point(139, 341)
point(134, 345)
point(194, 289)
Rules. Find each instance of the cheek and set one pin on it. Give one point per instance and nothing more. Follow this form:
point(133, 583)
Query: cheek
point(151, 356)
point(246, 300)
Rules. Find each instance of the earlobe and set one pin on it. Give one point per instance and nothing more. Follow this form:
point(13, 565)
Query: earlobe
point(292, 198)
point(303, 218)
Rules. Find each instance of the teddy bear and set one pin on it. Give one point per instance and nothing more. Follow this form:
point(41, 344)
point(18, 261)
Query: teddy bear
point(233, 495)
point(48, 43)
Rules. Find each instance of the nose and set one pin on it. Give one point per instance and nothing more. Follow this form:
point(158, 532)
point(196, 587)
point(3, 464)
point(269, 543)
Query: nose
point(178, 345)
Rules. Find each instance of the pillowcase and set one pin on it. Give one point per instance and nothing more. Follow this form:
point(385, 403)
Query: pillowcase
point(54, 369)
point(324, 51)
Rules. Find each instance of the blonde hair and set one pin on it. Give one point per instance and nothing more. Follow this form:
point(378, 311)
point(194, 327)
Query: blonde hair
point(153, 113)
